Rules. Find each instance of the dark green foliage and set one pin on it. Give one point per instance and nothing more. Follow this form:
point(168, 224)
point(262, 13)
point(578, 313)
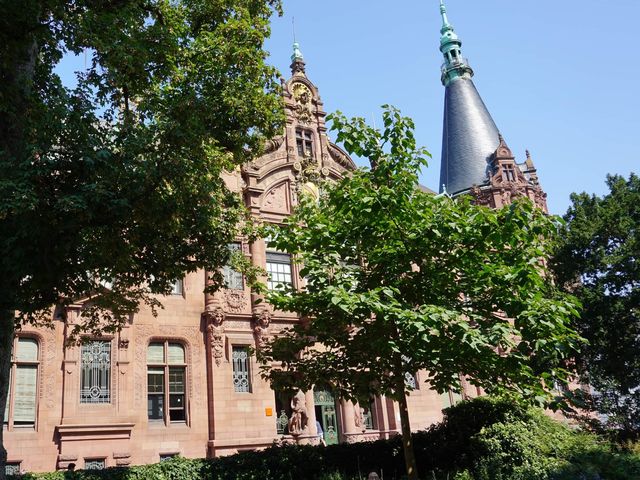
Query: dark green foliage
point(599, 261)
point(482, 439)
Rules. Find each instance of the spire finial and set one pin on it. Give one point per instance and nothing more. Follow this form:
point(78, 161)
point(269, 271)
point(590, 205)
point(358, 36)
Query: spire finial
point(443, 12)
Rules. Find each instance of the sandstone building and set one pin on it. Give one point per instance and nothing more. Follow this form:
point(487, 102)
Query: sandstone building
point(184, 382)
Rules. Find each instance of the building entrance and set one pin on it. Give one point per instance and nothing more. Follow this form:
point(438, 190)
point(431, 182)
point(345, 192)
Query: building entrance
point(325, 408)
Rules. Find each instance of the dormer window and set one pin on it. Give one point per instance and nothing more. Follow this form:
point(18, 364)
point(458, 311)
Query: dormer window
point(304, 142)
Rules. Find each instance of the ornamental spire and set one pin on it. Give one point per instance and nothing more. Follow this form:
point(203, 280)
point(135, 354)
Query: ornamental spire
point(470, 136)
point(455, 65)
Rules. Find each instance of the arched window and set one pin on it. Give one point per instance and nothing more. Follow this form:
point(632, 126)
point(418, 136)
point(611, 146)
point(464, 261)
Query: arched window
point(22, 400)
point(166, 382)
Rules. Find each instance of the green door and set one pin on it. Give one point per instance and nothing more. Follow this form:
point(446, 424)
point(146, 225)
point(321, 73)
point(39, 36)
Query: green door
point(326, 415)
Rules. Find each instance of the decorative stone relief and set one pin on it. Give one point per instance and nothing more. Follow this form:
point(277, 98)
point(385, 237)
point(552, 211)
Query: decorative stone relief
point(303, 108)
point(49, 336)
point(275, 200)
point(236, 300)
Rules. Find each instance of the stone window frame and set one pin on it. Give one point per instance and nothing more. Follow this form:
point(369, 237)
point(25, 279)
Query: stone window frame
point(166, 394)
point(15, 363)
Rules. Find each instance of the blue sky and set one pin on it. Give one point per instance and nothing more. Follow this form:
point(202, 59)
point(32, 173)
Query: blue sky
point(560, 78)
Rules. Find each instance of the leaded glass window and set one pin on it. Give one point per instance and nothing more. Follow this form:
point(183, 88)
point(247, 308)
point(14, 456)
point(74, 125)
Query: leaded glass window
point(166, 382)
point(95, 372)
point(232, 278)
point(241, 370)
point(12, 468)
point(21, 407)
point(94, 463)
point(278, 270)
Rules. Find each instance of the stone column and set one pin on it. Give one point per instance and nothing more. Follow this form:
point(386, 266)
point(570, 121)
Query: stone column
point(311, 413)
point(348, 414)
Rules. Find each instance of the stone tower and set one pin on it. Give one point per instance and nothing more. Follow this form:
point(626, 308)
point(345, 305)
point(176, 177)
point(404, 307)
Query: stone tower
point(475, 158)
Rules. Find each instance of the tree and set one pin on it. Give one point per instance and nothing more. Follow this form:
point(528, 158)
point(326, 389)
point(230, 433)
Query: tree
point(399, 280)
point(118, 181)
point(599, 261)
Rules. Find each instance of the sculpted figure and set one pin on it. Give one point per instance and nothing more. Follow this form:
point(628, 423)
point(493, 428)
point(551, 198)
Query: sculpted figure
point(298, 420)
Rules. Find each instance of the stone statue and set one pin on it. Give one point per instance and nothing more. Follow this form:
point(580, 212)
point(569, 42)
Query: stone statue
point(298, 420)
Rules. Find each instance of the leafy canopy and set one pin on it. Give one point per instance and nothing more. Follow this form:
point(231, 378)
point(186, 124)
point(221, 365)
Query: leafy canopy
point(119, 180)
point(599, 261)
point(398, 280)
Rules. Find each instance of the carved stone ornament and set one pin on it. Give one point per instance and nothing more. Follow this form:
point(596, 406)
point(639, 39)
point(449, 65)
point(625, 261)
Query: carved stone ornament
point(123, 344)
point(235, 300)
point(215, 316)
point(299, 418)
point(482, 197)
point(215, 333)
point(341, 158)
point(304, 108)
point(273, 144)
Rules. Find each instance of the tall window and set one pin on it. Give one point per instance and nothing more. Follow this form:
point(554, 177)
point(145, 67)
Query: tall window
point(278, 270)
point(304, 142)
point(20, 410)
point(166, 382)
point(369, 416)
point(241, 370)
point(232, 278)
point(95, 372)
point(450, 398)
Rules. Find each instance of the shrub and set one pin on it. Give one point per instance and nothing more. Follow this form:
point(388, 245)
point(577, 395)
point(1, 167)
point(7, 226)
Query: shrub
point(482, 439)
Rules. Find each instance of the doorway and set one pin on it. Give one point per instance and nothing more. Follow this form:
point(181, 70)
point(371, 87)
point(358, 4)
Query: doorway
point(326, 414)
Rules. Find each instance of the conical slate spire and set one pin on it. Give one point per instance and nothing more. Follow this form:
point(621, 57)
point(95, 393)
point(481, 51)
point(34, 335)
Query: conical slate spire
point(470, 136)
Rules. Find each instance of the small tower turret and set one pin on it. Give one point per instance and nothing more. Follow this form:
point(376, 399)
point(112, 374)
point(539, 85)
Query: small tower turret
point(455, 65)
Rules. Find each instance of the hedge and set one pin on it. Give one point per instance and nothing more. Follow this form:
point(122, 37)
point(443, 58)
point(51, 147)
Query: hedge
point(481, 439)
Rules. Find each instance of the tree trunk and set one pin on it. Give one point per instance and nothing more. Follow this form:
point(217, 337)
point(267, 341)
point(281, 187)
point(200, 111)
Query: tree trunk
point(405, 425)
point(7, 319)
point(407, 440)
